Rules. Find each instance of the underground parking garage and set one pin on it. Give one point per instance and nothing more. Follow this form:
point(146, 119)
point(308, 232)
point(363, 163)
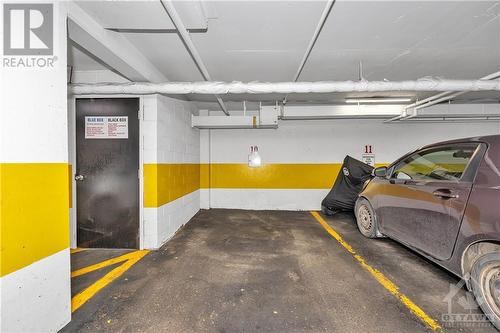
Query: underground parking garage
point(245, 166)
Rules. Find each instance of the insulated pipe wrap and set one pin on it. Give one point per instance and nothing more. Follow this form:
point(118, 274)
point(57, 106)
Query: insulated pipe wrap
point(221, 88)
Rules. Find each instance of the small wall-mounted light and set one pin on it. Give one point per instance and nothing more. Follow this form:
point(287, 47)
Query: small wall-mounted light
point(254, 160)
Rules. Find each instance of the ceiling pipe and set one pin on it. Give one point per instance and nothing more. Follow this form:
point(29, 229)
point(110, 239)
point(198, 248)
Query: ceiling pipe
point(454, 119)
point(452, 94)
point(219, 88)
point(439, 100)
point(188, 43)
point(361, 117)
point(451, 118)
point(435, 99)
point(317, 31)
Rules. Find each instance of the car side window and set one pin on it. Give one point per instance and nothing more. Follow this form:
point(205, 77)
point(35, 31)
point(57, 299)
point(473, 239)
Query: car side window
point(445, 163)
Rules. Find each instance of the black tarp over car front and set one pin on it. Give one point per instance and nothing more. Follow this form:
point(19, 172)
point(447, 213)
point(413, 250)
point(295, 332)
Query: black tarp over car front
point(347, 186)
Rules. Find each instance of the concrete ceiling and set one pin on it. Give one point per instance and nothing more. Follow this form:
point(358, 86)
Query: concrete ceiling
point(265, 40)
point(82, 60)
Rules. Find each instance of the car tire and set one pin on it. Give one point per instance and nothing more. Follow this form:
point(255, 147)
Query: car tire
point(366, 218)
point(485, 285)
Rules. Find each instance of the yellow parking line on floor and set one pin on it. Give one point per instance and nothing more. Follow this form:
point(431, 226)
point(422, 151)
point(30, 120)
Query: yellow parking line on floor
point(130, 259)
point(381, 278)
point(103, 264)
point(76, 250)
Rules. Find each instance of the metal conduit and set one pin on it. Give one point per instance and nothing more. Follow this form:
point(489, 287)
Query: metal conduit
point(186, 39)
point(435, 99)
point(317, 31)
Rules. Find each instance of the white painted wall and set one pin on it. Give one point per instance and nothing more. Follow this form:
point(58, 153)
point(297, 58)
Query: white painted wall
point(169, 138)
point(33, 129)
point(318, 141)
point(33, 100)
point(328, 141)
point(37, 298)
point(262, 199)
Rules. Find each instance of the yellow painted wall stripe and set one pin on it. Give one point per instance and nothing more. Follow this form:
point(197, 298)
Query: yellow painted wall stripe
point(381, 278)
point(34, 219)
point(269, 176)
point(164, 183)
point(70, 185)
point(81, 298)
point(205, 175)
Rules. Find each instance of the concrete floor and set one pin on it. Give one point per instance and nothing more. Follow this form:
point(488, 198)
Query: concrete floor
point(251, 271)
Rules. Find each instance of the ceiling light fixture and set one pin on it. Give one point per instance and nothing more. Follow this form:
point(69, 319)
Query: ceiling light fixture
point(377, 100)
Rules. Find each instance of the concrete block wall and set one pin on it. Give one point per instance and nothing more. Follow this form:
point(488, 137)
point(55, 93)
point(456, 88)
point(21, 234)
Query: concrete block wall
point(35, 291)
point(302, 158)
point(171, 168)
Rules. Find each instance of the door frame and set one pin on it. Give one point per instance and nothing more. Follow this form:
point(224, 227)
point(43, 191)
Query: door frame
point(72, 160)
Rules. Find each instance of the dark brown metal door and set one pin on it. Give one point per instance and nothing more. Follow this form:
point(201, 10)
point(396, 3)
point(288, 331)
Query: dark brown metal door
point(107, 169)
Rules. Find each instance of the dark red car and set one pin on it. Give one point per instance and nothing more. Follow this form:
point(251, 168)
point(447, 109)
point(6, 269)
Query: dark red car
point(443, 201)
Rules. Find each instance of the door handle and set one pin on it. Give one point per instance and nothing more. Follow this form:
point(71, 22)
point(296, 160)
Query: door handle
point(79, 177)
point(445, 194)
point(397, 181)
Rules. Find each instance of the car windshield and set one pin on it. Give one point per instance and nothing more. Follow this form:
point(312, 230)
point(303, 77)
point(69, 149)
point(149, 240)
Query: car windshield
point(440, 163)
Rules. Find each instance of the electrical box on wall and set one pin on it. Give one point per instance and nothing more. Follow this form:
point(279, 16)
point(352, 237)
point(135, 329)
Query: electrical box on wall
point(268, 116)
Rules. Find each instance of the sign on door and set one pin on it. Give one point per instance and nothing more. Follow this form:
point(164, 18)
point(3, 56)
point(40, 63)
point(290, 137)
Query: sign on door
point(106, 127)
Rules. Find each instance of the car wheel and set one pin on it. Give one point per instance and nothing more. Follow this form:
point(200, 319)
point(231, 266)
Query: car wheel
point(366, 219)
point(485, 284)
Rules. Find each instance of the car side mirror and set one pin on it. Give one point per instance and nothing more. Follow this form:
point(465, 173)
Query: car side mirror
point(380, 172)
